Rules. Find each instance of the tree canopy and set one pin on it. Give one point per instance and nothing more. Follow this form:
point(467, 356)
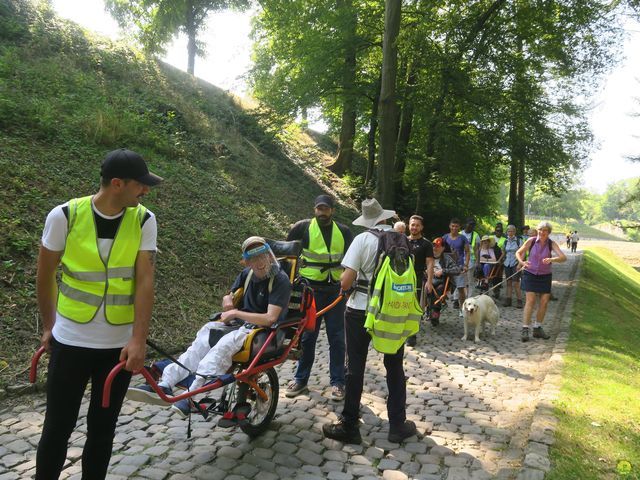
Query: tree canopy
point(157, 22)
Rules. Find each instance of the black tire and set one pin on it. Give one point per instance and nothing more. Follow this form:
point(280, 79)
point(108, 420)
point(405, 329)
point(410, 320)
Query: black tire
point(262, 412)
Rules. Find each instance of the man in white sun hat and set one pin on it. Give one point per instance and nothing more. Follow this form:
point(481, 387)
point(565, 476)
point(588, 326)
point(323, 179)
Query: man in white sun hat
point(359, 263)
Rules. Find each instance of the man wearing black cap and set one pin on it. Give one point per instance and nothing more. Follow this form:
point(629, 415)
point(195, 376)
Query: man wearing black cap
point(324, 244)
point(99, 314)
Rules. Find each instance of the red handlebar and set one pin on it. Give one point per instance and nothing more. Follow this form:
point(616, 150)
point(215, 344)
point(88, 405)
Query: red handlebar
point(33, 371)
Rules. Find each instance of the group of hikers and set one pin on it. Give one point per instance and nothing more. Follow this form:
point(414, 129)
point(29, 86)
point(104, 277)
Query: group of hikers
point(99, 314)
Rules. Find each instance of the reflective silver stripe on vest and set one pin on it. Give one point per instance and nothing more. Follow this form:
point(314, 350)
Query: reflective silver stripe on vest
point(322, 256)
point(385, 317)
point(112, 299)
point(391, 336)
point(118, 272)
point(80, 296)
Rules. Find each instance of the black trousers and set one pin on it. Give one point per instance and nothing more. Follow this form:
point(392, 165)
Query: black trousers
point(358, 340)
point(70, 369)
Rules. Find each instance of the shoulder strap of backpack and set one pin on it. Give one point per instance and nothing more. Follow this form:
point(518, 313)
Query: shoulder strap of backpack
point(248, 279)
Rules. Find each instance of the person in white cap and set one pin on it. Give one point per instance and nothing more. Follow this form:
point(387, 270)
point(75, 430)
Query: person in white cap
point(359, 265)
point(265, 300)
point(99, 313)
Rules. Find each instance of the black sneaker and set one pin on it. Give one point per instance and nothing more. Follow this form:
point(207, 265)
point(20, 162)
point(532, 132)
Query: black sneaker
point(538, 332)
point(525, 334)
point(456, 304)
point(402, 432)
point(411, 341)
point(342, 432)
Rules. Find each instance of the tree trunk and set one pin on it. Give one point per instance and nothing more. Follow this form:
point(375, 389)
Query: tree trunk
point(512, 209)
point(371, 140)
point(344, 156)
point(388, 107)
point(191, 43)
point(404, 131)
point(521, 185)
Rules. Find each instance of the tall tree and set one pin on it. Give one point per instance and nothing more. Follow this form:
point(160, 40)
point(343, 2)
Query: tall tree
point(158, 22)
point(388, 110)
point(344, 156)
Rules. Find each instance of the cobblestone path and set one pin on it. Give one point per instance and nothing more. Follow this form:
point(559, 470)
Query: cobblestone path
point(476, 400)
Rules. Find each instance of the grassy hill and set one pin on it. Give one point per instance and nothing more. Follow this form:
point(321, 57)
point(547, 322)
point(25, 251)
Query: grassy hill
point(67, 98)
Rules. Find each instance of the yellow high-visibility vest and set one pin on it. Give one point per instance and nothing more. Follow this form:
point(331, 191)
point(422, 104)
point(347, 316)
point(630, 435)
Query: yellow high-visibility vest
point(393, 313)
point(89, 282)
point(317, 261)
point(501, 241)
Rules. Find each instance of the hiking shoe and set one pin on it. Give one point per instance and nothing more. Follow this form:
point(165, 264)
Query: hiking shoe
point(456, 304)
point(146, 394)
point(507, 302)
point(435, 321)
point(525, 334)
point(184, 407)
point(402, 432)
point(411, 341)
point(342, 432)
point(294, 389)
point(538, 332)
point(337, 393)
point(518, 303)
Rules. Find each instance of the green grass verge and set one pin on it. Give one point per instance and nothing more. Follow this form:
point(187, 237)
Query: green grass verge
point(584, 231)
point(598, 435)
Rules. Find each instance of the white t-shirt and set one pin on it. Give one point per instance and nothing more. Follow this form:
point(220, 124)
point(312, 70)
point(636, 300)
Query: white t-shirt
point(361, 257)
point(97, 333)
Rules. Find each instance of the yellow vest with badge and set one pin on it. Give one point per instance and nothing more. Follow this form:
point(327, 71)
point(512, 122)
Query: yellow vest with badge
point(318, 263)
point(89, 282)
point(393, 313)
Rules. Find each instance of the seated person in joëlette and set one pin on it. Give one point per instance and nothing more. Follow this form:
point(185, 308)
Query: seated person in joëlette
point(265, 300)
point(443, 266)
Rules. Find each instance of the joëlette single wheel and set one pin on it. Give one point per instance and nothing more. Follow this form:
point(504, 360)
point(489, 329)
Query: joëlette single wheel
point(262, 411)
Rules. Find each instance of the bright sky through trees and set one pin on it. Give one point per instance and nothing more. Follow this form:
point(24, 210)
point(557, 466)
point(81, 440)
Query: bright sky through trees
point(229, 57)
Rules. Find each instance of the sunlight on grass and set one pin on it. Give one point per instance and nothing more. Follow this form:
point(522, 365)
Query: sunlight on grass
point(598, 436)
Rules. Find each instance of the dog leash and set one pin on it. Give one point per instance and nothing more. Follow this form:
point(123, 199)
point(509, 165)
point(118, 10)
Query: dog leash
point(498, 284)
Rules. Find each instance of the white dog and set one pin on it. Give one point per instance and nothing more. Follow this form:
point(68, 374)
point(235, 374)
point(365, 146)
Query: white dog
point(477, 311)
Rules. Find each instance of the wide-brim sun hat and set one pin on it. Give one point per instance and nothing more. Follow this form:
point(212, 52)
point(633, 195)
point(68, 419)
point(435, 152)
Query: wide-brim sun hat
point(372, 214)
point(490, 238)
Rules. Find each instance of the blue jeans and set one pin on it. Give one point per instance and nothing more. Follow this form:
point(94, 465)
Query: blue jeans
point(334, 323)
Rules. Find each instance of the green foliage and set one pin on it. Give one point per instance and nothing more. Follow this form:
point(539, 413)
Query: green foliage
point(481, 83)
point(66, 99)
point(599, 428)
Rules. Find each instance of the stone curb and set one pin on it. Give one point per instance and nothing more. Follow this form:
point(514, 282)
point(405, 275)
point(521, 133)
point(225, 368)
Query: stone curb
point(543, 424)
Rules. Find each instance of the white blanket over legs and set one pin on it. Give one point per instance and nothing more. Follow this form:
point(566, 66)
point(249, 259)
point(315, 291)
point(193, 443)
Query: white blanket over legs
point(204, 359)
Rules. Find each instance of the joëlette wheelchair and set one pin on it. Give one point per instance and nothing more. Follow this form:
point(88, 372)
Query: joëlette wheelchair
point(436, 301)
point(252, 379)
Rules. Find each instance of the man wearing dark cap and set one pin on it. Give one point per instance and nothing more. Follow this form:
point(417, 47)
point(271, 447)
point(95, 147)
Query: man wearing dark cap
point(324, 244)
point(99, 314)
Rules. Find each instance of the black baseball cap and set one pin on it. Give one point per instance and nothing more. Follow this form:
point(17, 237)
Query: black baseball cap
point(123, 163)
point(326, 200)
